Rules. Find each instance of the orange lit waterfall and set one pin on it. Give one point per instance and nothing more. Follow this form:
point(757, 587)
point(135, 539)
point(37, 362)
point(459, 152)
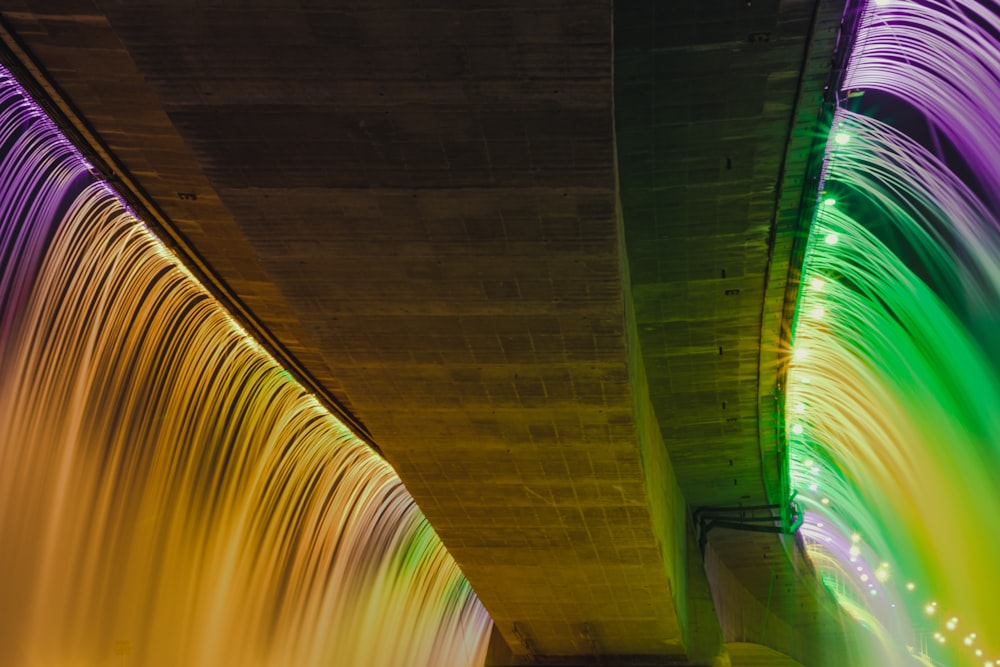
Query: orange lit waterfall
point(168, 495)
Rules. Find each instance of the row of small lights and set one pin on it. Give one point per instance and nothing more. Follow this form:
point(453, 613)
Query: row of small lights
point(951, 624)
point(882, 572)
point(882, 575)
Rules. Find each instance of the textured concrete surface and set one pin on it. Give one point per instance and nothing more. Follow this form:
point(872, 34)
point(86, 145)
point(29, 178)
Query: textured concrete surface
point(717, 114)
point(787, 609)
point(706, 96)
point(755, 655)
point(419, 201)
point(423, 199)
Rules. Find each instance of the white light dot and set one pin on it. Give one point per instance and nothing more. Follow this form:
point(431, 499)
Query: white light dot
point(832, 238)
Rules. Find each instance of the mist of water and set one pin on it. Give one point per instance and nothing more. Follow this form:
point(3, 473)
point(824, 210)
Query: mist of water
point(894, 380)
point(168, 494)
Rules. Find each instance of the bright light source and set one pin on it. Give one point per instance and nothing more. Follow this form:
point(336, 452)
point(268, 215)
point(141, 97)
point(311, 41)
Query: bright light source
point(814, 487)
point(910, 586)
point(829, 201)
point(797, 429)
point(825, 501)
point(817, 284)
point(842, 137)
point(817, 312)
point(855, 538)
point(832, 238)
point(800, 408)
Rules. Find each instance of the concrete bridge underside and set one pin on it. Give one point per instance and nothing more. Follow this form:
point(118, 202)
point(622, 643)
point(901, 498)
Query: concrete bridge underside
point(536, 253)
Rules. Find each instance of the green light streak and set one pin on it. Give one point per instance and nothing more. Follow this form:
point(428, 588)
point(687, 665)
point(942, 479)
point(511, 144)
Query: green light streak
point(896, 396)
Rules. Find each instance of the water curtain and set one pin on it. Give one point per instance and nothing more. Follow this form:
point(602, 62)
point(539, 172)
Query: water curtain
point(893, 389)
point(168, 494)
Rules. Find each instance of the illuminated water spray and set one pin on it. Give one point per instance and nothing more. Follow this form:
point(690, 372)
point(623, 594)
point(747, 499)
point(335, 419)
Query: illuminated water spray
point(167, 495)
point(893, 390)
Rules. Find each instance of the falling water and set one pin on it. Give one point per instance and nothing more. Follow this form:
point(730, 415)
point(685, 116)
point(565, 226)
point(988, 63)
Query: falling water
point(168, 495)
point(893, 396)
